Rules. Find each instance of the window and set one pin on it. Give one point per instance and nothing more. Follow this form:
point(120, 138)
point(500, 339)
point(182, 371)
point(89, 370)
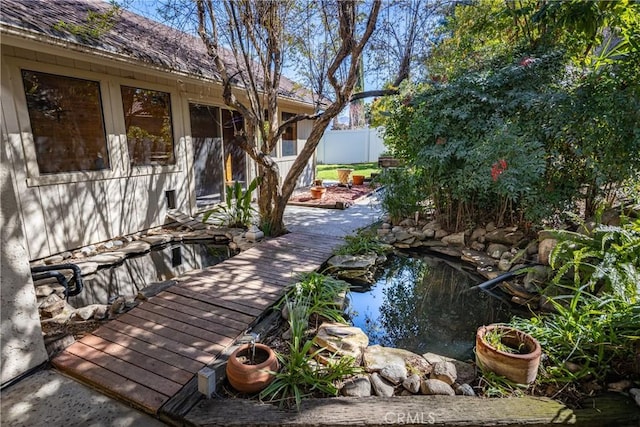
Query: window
point(289, 137)
point(235, 163)
point(67, 123)
point(147, 116)
point(206, 137)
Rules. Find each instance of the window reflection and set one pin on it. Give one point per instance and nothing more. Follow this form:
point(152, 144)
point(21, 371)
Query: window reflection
point(147, 116)
point(67, 123)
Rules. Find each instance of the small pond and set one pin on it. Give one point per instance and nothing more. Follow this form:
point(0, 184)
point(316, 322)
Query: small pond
point(423, 304)
point(136, 272)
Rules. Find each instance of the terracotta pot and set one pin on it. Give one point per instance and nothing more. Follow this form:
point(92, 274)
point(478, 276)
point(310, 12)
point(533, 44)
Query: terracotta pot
point(317, 192)
point(358, 179)
point(343, 175)
point(522, 367)
point(248, 378)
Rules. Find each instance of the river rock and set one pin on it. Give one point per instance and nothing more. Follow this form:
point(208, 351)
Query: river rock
point(394, 373)
point(444, 371)
point(466, 373)
point(54, 259)
point(464, 390)
point(376, 357)
point(352, 262)
point(490, 227)
point(97, 311)
point(456, 239)
point(402, 236)
point(504, 236)
point(477, 246)
point(381, 386)
point(429, 233)
point(412, 383)
point(537, 277)
point(545, 248)
point(108, 258)
point(432, 386)
point(635, 393)
point(136, 247)
point(52, 306)
point(441, 233)
point(408, 222)
point(418, 365)
point(342, 339)
point(495, 250)
point(480, 259)
point(477, 233)
point(357, 387)
point(386, 226)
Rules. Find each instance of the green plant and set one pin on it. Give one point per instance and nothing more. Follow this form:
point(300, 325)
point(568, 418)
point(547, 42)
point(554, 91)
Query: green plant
point(96, 23)
point(605, 260)
point(323, 296)
point(364, 242)
point(494, 385)
point(597, 334)
point(236, 211)
point(300, 375)
point(495, 338)
point(404, 192)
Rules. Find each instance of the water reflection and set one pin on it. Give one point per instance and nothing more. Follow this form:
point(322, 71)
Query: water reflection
point(420, 304)
point(134, 273)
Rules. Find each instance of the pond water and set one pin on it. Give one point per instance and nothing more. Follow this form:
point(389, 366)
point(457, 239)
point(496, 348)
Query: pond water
point(423, 304)
point(136, 272)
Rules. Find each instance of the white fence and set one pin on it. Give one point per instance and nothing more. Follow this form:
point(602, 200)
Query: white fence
point(351, 146)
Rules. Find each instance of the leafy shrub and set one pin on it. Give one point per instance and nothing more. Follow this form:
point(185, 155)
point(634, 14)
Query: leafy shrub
point(403, 193)
point(236, 211)
point(323, 296)
point(360, 244)
point(596, 323)
point(300, 375)
point(606, 260)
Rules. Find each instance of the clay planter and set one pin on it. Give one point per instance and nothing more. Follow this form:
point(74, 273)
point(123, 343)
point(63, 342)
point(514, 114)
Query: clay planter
point(358, 179)
point(520, 367)
point(317, 192)
point(343, 175)
point(248, 378)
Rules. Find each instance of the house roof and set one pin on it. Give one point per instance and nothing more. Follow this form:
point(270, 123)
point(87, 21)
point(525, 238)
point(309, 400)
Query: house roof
point(132, 36)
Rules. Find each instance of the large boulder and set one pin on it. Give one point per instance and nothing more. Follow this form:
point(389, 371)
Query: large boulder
point(357, 387)
point(377, 357)
point(504, 236)
point(342, 339)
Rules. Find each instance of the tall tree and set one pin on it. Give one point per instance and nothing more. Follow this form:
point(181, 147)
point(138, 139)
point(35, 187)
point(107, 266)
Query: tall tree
point(257, 32)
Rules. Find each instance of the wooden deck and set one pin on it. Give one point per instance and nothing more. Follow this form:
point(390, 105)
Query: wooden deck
point(147, 355)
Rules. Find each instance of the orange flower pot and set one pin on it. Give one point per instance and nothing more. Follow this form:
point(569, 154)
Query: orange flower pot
point(248, 378)
point(521, 367)
point(358, 179)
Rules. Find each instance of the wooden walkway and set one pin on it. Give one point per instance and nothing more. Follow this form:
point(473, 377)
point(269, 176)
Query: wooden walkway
point(149, 354)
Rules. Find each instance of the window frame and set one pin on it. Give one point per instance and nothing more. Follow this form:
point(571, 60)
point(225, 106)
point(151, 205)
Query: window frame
point(280, 144)
point(176, 128)
point(34, 177)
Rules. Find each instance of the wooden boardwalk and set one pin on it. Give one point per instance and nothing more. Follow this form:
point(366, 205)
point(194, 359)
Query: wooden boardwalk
point(149, 354)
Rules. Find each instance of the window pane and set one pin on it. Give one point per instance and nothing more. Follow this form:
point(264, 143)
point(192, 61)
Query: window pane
point(234, 157)
point(289, 137)
point(147, 116)
point(207, 153)
point(66, 121)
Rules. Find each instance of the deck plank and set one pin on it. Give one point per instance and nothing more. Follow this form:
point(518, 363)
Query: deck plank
point(160, 353)
point(109, 382)
point(125, 369)
point(149, 356)
point(149, 363)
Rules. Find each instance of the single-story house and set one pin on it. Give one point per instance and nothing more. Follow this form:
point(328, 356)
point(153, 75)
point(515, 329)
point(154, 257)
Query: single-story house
point(103, 132)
